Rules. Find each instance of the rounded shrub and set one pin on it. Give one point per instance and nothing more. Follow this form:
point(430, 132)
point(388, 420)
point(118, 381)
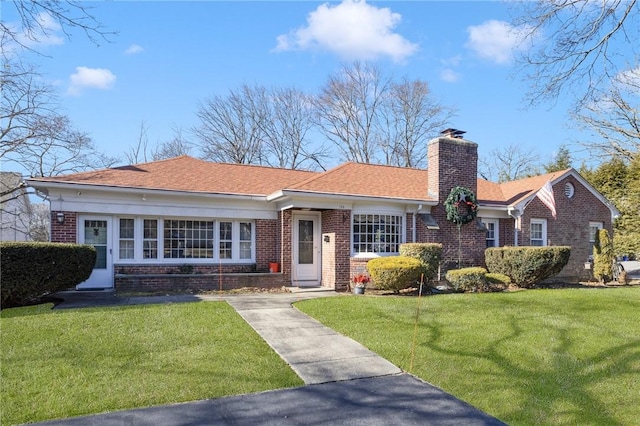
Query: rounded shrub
point(429, 254)
point(32, 270)
point(467, 279)
point(527, 266)
point(395, 272)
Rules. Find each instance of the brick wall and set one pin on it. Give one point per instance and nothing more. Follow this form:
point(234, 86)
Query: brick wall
point(571, 228)
point(267, 243)
point(338, 222)
point(66, 232)
point(285, 220)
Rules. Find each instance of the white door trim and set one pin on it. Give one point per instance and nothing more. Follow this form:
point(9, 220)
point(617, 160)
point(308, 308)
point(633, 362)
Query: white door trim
point(101, 278)
point(306, 274)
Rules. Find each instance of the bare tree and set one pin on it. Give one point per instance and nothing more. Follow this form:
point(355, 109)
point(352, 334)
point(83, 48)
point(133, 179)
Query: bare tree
point(577, 45)
point(288, 117)
point(229, 129)
point(174, 147)
point(39, 222)
point(349, 108)
point(509, 163)
point(37, 16)
point(410, 117)
point(615, 118)
point(372, 118)
point(138, 153)
point(34, 136)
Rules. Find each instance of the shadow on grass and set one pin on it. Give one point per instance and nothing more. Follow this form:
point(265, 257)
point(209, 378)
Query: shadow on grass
point(563, 380)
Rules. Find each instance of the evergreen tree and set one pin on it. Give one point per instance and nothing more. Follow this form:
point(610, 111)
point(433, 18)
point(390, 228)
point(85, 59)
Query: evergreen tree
point(603, 256)
point(620, 183)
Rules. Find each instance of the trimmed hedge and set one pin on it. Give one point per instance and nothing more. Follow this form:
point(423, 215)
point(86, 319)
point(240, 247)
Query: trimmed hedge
point(429, 254)
point(395, 272)
point(32, 270)
point(527, 266)
point(468, 279)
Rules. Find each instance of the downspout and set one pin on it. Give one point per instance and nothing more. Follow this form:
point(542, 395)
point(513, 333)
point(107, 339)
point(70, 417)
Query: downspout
point(516, 215)
point(414, 232)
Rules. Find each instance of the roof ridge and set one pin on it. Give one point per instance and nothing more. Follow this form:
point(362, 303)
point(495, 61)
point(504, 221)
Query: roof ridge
point(319, 175)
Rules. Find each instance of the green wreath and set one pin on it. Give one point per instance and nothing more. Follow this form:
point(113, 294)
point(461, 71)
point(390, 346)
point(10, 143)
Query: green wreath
point(461, 205)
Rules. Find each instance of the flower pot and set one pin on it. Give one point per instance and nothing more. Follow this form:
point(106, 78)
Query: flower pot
point(358, 290)
point(274, 267)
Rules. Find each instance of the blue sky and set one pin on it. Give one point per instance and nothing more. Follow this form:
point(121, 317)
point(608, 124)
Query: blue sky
point(168, 56)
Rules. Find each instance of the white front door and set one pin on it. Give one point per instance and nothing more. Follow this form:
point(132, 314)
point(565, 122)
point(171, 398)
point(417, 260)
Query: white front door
point(306, 249)
point(96, 231)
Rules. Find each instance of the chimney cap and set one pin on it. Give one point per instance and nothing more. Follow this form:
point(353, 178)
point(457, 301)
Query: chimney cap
point(453, 133)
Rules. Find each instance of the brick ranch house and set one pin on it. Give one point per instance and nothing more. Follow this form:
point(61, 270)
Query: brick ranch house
point(184, 223)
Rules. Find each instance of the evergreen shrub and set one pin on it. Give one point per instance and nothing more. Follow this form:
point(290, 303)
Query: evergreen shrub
point(468, 279)
point(603, 256)
point(429, 254)
point(395, 272)
point(32, 270)
point(527, 266)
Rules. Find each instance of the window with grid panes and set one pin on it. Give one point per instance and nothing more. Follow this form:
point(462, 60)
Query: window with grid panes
point(186, 239)
point(127, 239)
point(377, 233)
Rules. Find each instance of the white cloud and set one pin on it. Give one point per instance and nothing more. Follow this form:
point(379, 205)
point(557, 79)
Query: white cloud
point(353, 30)
point(496, 41)
point(133, 49)
point(629, 79)
point(90, 78)
point(449, 75)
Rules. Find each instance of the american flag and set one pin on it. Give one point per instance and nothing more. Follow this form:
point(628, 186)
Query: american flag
point(546, 196)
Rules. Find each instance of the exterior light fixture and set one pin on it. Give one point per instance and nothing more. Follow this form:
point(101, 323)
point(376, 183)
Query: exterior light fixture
point(60, 217)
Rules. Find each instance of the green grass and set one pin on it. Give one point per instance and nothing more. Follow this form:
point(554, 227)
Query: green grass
point(559, 357)
point(64, 363)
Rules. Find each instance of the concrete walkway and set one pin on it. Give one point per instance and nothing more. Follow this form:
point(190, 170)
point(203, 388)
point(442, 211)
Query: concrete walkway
point(346, 383)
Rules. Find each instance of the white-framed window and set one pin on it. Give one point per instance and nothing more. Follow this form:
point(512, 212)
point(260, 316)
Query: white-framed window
point(150, 239)
point(171, 239)
point(246, 240)
point(126, 238)
point(188, 239)
point(538, 232)
point(377, 233)
point(594, 227)
point(492, 232)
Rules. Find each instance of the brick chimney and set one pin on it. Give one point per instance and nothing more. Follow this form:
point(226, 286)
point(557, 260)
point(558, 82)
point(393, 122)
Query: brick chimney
point(451, 161)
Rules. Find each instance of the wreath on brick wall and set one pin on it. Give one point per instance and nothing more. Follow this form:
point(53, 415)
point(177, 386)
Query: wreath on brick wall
point(461, 205)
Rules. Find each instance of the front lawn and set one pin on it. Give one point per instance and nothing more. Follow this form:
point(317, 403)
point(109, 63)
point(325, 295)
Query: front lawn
point(528, 358)
point(64, 363)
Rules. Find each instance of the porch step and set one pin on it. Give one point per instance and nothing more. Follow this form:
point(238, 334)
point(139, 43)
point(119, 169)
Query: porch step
point(309, 289)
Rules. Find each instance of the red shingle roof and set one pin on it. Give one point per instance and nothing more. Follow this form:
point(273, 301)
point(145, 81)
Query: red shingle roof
point(368, 180)
point(189, 174)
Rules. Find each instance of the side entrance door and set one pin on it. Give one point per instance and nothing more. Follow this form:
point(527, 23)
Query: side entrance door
point(306, 249)
point(96, 231)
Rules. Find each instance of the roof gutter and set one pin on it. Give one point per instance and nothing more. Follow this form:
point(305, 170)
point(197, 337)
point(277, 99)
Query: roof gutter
point(44, 186)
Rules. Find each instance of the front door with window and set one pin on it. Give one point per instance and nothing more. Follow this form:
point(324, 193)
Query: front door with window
point(96, 231)
point(306, 250)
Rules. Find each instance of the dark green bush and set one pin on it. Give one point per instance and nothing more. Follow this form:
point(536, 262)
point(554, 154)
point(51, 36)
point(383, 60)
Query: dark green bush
point(527, 266)
point(429, 254)
point(32, 270)
point(468, 279)
point(395, 272)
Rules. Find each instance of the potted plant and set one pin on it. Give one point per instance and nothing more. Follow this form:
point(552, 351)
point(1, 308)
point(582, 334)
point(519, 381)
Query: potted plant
point(359, 282)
